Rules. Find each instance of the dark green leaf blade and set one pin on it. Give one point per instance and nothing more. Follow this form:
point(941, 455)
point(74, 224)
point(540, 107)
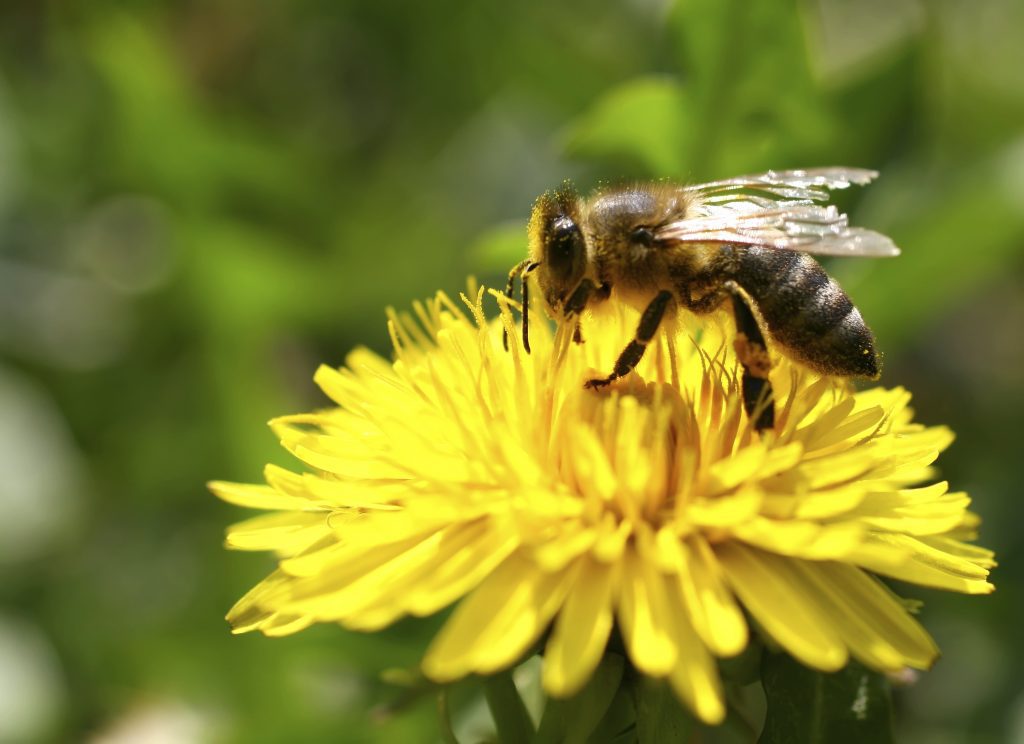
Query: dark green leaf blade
point(660, 716)
point(572, 721)
point(510, 716)
point(848, 707)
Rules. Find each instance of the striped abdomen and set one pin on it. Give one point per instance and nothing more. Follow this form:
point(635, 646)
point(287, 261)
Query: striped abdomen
point(806, 312)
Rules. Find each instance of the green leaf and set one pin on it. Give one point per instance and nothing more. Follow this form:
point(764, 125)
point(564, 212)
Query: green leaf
point(848, 707)
point(510, 716)
point(572, 721)
point(646, 121)
point(744, 669)
point(753, 98)
point(957, 231)
point(618, 725)
point(499, 248)
point(660, 717)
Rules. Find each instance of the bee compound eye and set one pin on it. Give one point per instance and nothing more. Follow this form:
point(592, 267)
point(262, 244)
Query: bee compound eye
point(563, 228)
point(565, 245)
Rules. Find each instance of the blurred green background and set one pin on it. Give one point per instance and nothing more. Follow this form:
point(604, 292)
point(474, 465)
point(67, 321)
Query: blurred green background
point(201, 201)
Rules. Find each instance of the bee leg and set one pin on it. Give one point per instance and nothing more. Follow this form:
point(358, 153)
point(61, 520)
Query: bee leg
point(510, 289)
point(752, 352)
point(526, 310)
point(575, 304)
point(579, 298)
point(645, 331)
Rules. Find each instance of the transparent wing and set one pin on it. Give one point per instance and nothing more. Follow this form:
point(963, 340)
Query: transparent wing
point(812, 184)
point(778, 210)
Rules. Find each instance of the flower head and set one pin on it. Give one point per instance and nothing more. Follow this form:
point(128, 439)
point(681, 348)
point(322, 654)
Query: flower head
point(464, 473)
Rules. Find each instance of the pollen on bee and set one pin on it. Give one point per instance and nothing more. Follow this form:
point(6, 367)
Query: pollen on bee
point(752, 356)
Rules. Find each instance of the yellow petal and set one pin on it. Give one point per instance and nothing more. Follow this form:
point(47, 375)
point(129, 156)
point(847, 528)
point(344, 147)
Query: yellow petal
point(341, 386)
point(574, 539)
point(379, 575)
point(729, 472)
point(915, 511)
point(794, 502)
point(726, 510)
point(342, 455)
point(780, 459)
point(282, 624)
point(695, 676)
point(385, 594)
point(854, 427)
point(333, 493)
point(926, 565)
point(286, 532)
point(780, 604)
point(824, 424)
point(581, 631)
point(875, 626)
point(590, 471)
point(254, 496)
point(802, 539)
point(332, 564)
point(835, 470)
point(975, 554)
point(717, 618)
point(250, 612)
point(463, 572)
point(644, 617)
point(611, 539)
point(495, 625)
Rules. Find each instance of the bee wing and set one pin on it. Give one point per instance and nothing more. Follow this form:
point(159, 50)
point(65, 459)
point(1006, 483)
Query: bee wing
point(779, 213)
point(812, 183)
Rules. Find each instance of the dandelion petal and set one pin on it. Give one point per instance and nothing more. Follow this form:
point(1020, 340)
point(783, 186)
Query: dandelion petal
point(781, 605)
point(581, 631)
point(494, 625)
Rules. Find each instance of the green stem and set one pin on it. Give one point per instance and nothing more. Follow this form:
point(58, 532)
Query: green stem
point(510, 716)
point(444, 718)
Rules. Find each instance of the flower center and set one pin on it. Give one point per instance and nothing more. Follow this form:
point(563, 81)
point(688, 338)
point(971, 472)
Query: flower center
point(626, 450)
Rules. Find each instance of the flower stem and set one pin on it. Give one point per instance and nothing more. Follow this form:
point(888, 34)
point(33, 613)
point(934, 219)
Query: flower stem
point(444, 718)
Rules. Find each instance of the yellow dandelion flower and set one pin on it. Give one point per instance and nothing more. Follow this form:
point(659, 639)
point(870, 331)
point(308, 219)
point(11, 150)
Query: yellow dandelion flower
point(464, 473)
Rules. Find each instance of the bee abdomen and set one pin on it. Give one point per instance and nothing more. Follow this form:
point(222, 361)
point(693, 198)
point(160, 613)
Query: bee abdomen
point(807, 312)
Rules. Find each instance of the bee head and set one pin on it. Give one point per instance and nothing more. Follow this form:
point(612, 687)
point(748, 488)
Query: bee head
point(557, 245)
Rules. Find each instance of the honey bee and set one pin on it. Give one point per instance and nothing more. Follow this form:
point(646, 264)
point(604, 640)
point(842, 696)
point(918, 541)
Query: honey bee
point(662, 248)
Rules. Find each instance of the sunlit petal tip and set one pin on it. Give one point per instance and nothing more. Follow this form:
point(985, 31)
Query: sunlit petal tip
point(461, 474)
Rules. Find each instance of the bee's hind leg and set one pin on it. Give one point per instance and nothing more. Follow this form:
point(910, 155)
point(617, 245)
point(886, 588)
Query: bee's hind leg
point(752, 353)
point(645, 331)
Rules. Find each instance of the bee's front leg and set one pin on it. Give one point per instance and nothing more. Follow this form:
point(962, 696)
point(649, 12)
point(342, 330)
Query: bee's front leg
point(645, 331)
point(576, 303)
point(517, 271)
point(752, 353)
